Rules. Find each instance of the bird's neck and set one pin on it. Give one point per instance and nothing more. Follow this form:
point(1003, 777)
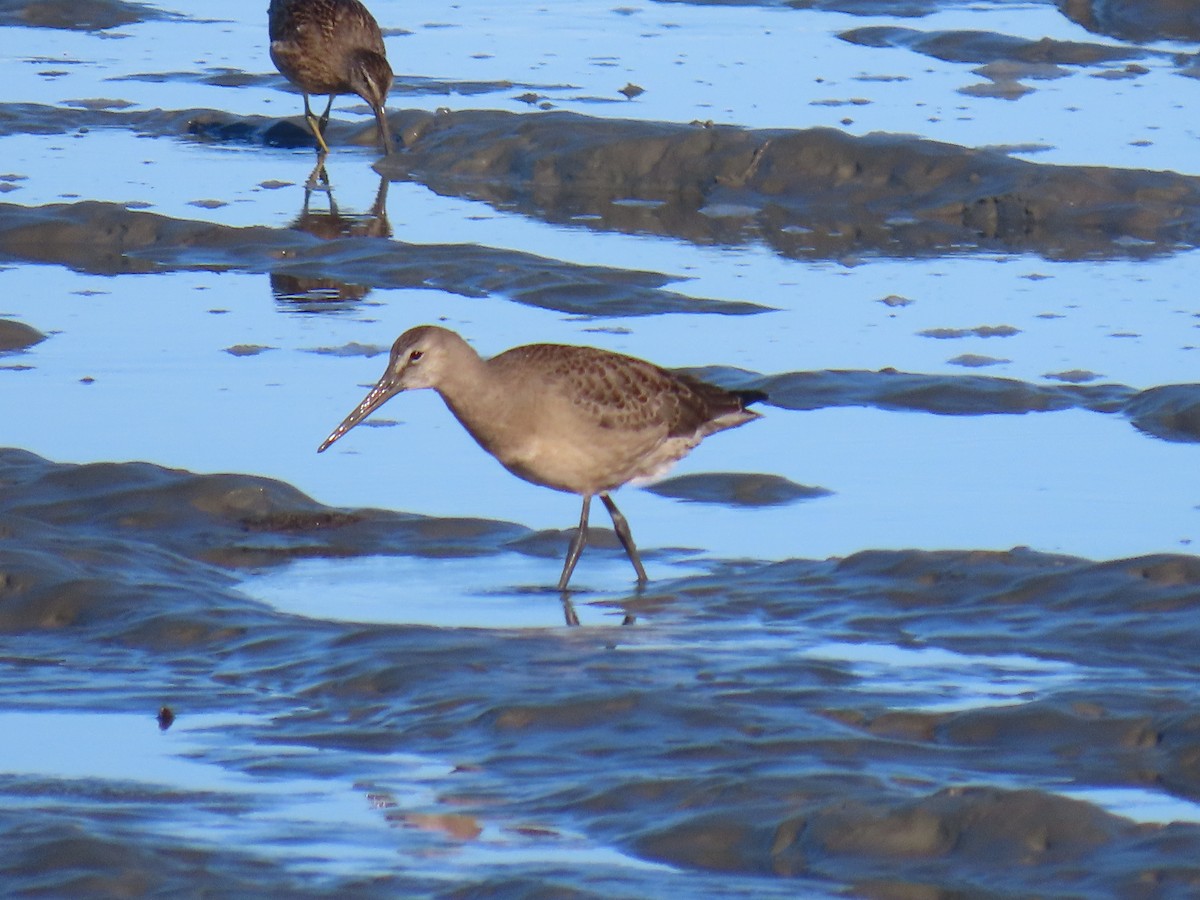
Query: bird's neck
point(473, 393)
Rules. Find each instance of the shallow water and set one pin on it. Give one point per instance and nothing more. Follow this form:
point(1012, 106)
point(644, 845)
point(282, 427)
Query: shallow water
point(840, 679)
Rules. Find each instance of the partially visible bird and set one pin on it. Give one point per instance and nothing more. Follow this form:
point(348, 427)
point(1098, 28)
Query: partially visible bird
point(331, 47)
point(576, 419)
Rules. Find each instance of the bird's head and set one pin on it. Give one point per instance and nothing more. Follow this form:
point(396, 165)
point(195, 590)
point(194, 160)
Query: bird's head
point(371, 78)
point(418, 360)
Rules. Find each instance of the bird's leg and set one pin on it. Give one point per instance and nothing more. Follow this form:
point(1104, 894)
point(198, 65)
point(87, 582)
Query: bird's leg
point(577, 543)
point(324, 120)
point(318, 128)
point(623, 535)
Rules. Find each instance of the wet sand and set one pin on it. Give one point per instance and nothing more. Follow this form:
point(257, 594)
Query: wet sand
point(909, 722)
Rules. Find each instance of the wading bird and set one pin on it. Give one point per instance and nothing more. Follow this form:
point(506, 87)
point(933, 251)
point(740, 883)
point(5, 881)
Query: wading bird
point(576, 419)
point(331, 47)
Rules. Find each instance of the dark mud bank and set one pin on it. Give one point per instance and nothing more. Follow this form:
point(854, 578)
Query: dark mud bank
point(120, 588)
point(109, 239)
point(812, 193)
point(1170, 412)
point(76, 15)
point(1128, 20)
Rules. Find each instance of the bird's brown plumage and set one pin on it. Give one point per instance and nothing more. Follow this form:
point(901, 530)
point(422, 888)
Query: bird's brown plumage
point(331, 47)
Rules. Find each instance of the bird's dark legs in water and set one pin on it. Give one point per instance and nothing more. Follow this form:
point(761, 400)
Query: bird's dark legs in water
point(626, 539)
point(577, 543)
point(620, 525)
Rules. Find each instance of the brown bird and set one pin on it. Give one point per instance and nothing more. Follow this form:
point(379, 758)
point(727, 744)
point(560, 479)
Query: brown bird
point(576, 419)
point(331, 47)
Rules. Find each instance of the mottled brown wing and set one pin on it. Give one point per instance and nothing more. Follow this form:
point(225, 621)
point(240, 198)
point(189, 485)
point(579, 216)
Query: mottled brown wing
point(625, 393)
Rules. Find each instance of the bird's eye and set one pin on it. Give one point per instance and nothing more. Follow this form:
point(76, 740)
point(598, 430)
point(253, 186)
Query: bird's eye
point(415, 356)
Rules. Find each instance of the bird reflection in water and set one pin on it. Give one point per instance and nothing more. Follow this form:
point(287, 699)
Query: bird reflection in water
point(303, 287)
point(571, 618)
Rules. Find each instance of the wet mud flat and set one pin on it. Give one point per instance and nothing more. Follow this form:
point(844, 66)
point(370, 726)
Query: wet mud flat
point(816, 193)
point(742, 734)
